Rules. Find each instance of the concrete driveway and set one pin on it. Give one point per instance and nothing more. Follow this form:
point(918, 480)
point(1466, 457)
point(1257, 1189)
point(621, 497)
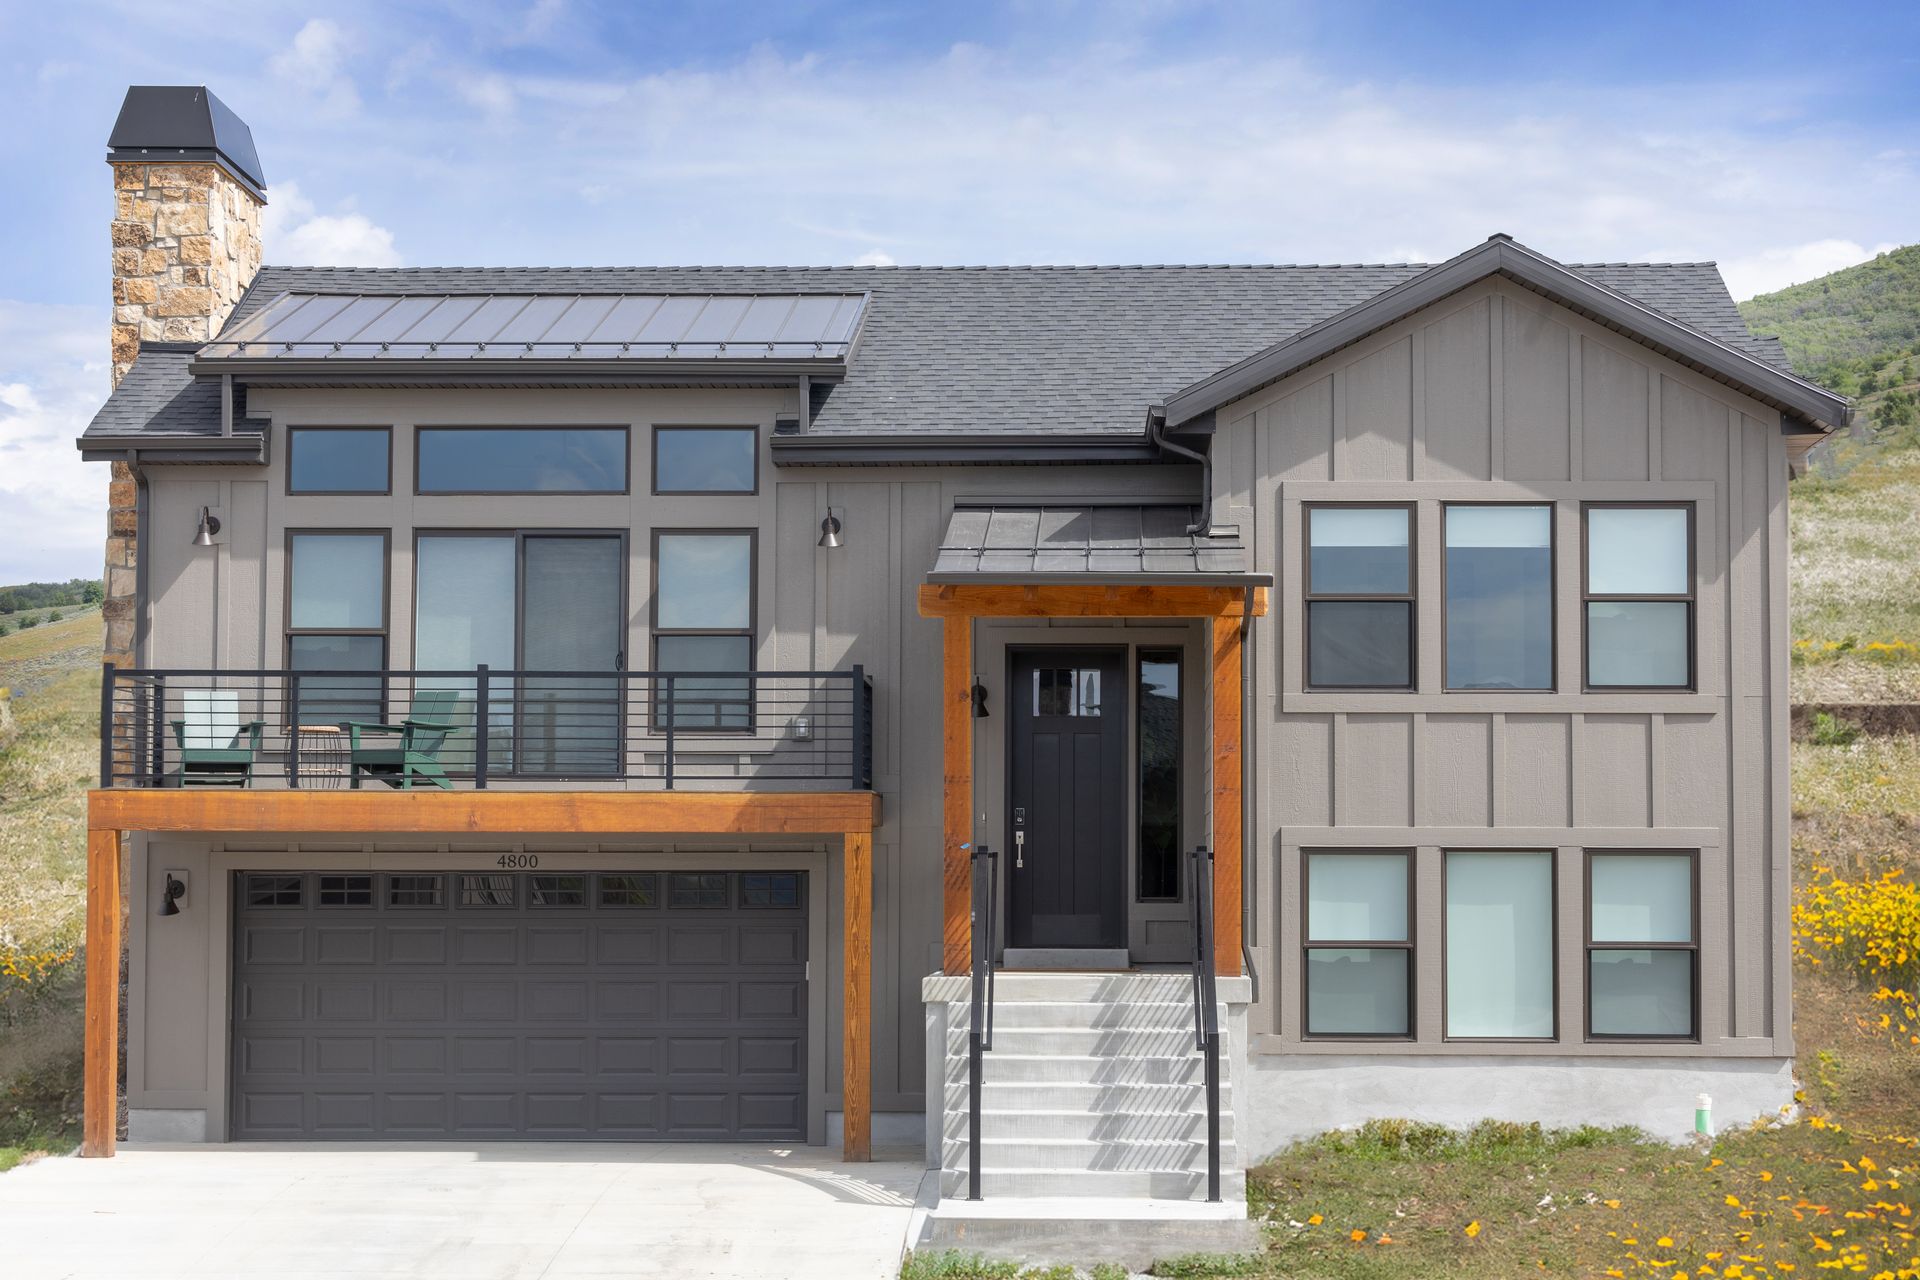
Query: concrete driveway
point(507, 1211)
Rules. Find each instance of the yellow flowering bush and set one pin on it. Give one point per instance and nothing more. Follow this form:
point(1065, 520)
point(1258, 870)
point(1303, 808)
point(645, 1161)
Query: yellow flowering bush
point(1808, 650)
point(26, 976)
point(1869, 925)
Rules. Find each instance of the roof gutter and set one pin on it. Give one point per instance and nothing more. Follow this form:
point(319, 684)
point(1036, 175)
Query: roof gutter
point(1157, 432)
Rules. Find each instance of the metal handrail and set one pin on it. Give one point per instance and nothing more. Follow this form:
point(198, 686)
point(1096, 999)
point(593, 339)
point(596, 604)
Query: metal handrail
point(662, 728)
point(1206, 1007)
point(986, 866)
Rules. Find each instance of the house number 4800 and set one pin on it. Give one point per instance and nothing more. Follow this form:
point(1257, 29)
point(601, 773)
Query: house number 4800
point(518, 861)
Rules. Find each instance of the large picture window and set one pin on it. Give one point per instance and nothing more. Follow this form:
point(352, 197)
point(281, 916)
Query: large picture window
point(338, 460)
point(1639, 575)
point(337, 623)
point(1500, 971)
point(1360, 597)
point(703, 621)
point(1359, 944)
point(1499, 593)
point(1159, 731)
point(1643, 949)
point(521, 460)
point(706, 460)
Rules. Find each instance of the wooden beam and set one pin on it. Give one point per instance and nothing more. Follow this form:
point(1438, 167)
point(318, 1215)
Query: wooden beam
point(100, 1075)
point(495, 812)
point(1228, 767)
point(1078, 600)
point(956, 700)
point(856, 999)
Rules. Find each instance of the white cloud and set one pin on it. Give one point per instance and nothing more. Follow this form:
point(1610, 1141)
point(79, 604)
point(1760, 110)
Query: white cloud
point(53, 506)
point(316, 63)
point(292, 231)
point(874, 258)
point(1773, 269)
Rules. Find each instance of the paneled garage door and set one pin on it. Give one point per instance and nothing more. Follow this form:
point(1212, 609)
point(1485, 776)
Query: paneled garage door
point(632, 1006)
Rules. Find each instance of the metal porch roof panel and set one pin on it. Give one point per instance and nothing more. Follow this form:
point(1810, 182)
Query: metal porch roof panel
point(297, 325)
point(1088, 543)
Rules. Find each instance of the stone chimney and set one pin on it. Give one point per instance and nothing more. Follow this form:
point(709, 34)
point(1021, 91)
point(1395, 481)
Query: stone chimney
point(187, 192)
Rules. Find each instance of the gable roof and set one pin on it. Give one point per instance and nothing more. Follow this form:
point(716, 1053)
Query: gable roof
point(997, 363)
point(1739, 364)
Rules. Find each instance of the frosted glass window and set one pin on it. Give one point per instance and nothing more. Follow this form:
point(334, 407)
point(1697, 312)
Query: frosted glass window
point(1359, 550)
point(1637, 642)
point(338, 581)
point(1637, 551)
point(1499, 597)
point(1357, 897)
point(1642, 897)
point(1641, 993)
point(1500, 945)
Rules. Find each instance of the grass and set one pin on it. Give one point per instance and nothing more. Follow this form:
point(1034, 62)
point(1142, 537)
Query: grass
point(46, 764)
point(955, 1265)
point(1856, 582)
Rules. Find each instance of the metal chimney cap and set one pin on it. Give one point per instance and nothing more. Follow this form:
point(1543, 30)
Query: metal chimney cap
point(185, 124)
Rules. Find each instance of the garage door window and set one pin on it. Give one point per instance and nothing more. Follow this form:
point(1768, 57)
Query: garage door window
point(697, 890)
point(346, 891)
point(771, 889)
point(273, 891)
point(630, 891)
point(413, 891)
point(557, 891)
point(486, 891)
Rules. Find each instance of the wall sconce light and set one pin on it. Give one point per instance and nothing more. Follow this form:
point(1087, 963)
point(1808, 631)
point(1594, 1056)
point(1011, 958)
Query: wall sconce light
point(829, 531)
point(171, 895)
point(209, 525)
point(979, 692)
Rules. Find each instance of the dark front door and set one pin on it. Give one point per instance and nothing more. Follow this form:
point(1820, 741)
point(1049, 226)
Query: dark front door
point(1067, 798)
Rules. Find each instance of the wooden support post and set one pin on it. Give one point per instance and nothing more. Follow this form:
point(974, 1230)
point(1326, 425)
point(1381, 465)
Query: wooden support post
point(856, 996)
point(1228, 767)
point(956, 696)
point(101, 1073)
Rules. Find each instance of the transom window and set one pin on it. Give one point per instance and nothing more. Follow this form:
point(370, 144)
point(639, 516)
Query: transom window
point(706, 459)
point(520, 460)
point(1643, 950)
point(339, 459)
point(1360, 597)
point(1639, 599)
point(703, 622)
point(1359, 944)
point(1499, 597)
point(1500, 970)
point(337, 623)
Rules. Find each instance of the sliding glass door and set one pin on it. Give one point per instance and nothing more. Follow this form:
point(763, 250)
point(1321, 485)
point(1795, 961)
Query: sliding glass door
point(530, 602)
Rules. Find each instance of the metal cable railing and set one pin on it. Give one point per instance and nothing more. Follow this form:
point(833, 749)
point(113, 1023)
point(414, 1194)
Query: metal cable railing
point(986, 878)
point(479, 727)
point(1206, 1007)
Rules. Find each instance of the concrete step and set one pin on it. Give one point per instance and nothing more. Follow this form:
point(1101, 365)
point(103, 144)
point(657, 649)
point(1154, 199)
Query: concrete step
point(1129, 1184)
point(1086, 1096)
point(1012, 1068)
point(1091, 1157)
point(1097, 1042)
point(1011, 1015)
point(1116, 987)
point(1089, 1126)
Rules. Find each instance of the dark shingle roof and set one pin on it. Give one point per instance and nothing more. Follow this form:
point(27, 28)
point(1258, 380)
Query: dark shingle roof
point(1018, 350)
point(158, 397)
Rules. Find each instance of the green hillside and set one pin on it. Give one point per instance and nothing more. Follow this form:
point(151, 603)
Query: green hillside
point(1858, 332)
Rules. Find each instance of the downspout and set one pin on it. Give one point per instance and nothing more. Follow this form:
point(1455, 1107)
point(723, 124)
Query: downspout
point(141, 507)
point(1157, 432)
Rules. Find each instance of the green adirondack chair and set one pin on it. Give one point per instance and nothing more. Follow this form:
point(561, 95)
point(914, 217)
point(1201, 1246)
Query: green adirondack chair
point(415, 758)
point(215, 748)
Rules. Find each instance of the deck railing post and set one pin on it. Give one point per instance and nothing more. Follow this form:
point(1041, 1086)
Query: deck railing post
point(293, 730)
point(482, 705)
point(857, 703)
point(107, 670)
point(158, 729)
point(667, 706)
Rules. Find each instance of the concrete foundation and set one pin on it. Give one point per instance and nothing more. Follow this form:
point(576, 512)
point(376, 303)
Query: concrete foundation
point(153, 1124)
point(1280, 1100)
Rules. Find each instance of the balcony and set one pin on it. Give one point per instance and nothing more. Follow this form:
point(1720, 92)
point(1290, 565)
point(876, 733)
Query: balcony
point(731, 731)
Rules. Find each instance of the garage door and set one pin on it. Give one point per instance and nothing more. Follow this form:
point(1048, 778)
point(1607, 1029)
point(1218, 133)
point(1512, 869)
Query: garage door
point(653, 1005)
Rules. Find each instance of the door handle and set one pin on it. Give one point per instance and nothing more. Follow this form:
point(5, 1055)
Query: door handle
point(1019, 837)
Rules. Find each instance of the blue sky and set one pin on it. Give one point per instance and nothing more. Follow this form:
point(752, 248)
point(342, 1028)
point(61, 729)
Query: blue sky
point(1780, 140)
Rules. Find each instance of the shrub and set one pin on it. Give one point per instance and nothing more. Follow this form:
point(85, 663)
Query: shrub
point(26, 978)
point(1872, 926)
point(56, 616)
point(1831, 731)
point(28, 620)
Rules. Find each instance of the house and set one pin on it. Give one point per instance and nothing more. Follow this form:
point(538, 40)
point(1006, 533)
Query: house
point(639, 703)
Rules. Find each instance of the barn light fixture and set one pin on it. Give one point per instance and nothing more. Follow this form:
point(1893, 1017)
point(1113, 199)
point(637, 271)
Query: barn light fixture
point(829, 531)
point(171, 895)
point(209, 525)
